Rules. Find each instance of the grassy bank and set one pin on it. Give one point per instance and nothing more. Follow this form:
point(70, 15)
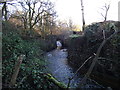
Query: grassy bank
point(15, 44)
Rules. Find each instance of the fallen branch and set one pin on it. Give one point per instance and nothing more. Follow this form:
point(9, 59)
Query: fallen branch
point(95, 82)
point(78, 70)
point(106, 59)
point(83, 81)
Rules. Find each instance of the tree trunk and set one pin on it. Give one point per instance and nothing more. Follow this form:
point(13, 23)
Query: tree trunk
point(4, 10)
point(83, 20)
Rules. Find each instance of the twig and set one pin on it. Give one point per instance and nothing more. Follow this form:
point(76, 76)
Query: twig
point(82, 65)
point(95, 82)
point(78, 70)
point(69, 80)
point(22, 80)
point(106, 59)
point(104, 34)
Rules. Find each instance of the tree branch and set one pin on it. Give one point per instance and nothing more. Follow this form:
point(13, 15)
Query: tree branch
point(79, 69)
point(96, 58)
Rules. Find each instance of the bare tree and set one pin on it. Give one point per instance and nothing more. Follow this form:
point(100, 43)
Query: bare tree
point(36, 12)
point(83, 20)
point(47, 22)
point(106, 9)
point(70, 24)
point(5, 4)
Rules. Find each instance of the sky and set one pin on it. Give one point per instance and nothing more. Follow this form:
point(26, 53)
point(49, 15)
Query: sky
point(71, 9)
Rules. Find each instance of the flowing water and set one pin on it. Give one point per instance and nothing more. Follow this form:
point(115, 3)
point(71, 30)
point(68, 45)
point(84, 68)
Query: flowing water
point(59, 68)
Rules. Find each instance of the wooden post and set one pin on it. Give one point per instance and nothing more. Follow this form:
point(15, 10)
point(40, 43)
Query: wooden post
point(16, 70)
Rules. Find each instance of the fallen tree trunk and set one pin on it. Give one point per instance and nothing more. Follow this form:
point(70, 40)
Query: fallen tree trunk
point(54, 81)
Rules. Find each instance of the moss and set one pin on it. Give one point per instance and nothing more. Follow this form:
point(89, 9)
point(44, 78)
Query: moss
point(56, 82)
point(74, 36)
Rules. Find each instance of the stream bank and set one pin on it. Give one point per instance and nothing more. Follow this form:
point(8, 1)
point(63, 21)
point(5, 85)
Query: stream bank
point(106, 69)
point(59, 68)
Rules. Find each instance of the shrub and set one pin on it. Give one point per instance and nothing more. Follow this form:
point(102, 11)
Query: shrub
point(29, 75)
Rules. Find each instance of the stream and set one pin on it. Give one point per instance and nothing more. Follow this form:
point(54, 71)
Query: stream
point(59, 68)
